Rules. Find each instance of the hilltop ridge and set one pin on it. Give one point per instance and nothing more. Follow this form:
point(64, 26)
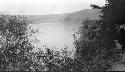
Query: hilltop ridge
point(68, 18)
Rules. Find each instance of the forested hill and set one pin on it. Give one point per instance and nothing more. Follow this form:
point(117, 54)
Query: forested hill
point(68, 18)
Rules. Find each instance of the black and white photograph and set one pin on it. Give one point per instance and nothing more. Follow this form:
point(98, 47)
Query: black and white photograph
point(62, 35)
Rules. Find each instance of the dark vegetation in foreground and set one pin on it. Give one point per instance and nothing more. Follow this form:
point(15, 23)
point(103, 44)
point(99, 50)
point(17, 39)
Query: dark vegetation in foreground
point(96, 48)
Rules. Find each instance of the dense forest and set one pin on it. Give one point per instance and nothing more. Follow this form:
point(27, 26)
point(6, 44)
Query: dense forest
point(96, 49)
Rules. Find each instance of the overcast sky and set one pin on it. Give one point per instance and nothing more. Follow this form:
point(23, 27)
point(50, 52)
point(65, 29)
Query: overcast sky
point(38, 7)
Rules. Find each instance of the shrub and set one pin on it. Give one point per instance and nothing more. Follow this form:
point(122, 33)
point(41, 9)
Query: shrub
point(15, 48)
point(96, 51)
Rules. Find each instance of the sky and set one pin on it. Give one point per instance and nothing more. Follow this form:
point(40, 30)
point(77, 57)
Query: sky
point(42, 7)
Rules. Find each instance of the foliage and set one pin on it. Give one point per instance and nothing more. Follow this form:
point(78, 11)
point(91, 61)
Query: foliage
point(97, 52)
point(95, 6)
point(15, 48)
point(52, 60)
point(97, 46)
point(112, 19)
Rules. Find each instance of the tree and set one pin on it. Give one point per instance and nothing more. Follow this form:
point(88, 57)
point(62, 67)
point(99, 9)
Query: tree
point(113, 19)
point(15, 48)
point(96, 51)
point(95, 6)
point(97, 46)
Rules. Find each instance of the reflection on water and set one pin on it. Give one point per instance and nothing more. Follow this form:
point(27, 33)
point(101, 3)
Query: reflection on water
point(54, 35)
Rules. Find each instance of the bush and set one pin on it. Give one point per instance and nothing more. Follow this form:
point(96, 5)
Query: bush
point(15, 48)
point(96, 51)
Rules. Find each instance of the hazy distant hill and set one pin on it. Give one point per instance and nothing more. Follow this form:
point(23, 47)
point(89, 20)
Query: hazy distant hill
point(68, 18)
point(79, 16)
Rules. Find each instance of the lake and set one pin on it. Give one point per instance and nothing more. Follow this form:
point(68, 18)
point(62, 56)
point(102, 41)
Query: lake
point(54, 35)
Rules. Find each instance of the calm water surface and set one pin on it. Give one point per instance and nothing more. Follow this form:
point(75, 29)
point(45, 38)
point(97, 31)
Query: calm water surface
point(54, 35)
